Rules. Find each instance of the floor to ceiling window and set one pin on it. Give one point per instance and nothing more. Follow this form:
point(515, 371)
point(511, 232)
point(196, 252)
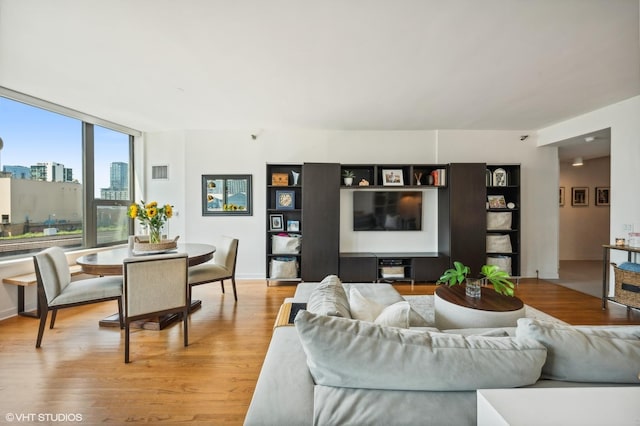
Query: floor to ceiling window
point(63, 181)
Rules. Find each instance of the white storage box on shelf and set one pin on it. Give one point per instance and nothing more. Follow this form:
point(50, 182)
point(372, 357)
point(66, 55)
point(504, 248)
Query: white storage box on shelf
point(498, 244)
point(499, 220)
point(283, 268)
point(502, 262)
point(286, 244)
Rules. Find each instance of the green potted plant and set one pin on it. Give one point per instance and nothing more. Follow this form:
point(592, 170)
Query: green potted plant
point(348, 176)
point(491, 273)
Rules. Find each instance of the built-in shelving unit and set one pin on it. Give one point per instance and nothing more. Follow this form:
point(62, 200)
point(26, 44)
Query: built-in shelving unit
point(313, 207)
point(394, 175)
point(303, 199)
point(503, 202)
point(284, 217)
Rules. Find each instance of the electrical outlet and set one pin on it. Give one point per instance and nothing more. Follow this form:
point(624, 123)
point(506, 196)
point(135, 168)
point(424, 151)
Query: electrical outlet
point(628, 227)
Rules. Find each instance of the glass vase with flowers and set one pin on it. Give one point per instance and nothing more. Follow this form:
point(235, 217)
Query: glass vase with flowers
point(152, 217)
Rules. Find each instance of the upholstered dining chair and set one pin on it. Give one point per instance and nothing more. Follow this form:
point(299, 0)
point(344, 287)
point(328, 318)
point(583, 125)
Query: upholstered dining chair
point(223, 266)
point(57, 291)
point(155, 285)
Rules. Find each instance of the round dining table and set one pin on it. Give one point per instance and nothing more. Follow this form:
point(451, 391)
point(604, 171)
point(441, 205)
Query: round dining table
point(110, 262)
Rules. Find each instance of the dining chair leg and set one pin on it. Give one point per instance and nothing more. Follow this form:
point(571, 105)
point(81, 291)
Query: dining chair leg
point(126, 342)
point(233, 283)
point(54, 312)
point(222, 285)
point(185, 318)
point(120, 314)
point(43, 321)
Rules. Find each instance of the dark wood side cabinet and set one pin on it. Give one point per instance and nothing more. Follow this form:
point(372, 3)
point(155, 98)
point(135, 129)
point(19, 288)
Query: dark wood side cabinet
point(462, 221)
point(321, 219)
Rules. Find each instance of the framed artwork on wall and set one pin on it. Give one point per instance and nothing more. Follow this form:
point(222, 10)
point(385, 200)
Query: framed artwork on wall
point(226, 195)
point(561, 196)
point(602, 196)
point(579, 196)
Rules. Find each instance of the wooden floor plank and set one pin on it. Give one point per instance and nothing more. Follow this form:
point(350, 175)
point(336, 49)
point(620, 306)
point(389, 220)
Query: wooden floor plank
point(80, 367)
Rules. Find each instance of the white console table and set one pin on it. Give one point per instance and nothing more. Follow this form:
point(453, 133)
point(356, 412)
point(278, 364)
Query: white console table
point(559, 406)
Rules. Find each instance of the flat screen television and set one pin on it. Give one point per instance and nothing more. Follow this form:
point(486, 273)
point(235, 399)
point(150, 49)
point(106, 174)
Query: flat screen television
point(387, 210)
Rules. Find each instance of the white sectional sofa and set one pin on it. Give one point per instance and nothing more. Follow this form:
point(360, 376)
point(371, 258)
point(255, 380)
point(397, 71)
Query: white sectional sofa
point(331, 369)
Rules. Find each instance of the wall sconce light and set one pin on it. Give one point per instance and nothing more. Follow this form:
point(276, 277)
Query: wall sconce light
point(577, 161)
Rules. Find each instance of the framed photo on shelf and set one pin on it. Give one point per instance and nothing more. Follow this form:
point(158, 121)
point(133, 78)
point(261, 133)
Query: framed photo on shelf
point(293, 226)
point(496, 202)
point(561, 196)
point(285, 200)
point(499, 177)
point(579, 196)
point(226, 195)
point(276, 222)
point(392, 177)
point(602, 196)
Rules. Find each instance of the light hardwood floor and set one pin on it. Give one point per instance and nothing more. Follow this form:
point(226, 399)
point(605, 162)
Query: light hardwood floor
point(80, 367)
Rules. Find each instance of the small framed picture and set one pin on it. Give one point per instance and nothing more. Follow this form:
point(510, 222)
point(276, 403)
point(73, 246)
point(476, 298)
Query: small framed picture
point(392, 177)
point(579, 196)
point(561, 196)
point(285, 200)
point(497, 202)
point(602, 196)
point(276, 222)
point(293, 225)
point(499, 177)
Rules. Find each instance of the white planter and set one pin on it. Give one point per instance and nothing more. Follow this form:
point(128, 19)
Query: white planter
point(348, 181)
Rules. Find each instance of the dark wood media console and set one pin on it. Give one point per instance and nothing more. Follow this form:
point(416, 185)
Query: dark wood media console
point(375, 267)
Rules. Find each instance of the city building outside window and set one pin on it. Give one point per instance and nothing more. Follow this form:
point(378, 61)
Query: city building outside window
point(44, 198)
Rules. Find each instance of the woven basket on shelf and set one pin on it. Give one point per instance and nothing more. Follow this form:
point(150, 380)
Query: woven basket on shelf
point(625, 283)
point(141, 243)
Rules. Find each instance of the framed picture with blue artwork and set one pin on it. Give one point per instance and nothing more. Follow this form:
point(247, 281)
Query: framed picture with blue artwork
point(226, 195)
point(285, 200)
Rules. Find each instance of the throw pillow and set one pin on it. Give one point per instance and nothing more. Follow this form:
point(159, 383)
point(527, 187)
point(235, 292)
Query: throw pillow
point(396, 315)
point(361, 308)
point(581, 355)
point(329, 298)
point(344, 353)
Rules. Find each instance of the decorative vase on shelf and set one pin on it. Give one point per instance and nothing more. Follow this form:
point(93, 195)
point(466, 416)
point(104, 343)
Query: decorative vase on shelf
point(418, 176)
point(296, 176)
point(473, 287)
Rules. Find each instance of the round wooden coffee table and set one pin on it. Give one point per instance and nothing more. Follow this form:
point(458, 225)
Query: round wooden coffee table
point(453, 309)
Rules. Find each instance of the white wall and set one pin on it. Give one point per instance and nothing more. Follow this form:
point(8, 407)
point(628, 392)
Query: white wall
point(538, 191)
point(583, 229)
point(190, 154)
point(213, 152)
point(624, 120)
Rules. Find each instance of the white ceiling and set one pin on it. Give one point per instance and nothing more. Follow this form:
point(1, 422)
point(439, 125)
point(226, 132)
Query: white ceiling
point(335, 64)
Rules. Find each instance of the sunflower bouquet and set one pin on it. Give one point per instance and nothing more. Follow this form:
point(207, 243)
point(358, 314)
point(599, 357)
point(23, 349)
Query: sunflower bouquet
point(151, 216)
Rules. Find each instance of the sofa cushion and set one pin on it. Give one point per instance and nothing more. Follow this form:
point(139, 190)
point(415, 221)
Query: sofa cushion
point(329, 298)
point(363, 309)
point(344, 353)
point(375, 407)
point(582, 354)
